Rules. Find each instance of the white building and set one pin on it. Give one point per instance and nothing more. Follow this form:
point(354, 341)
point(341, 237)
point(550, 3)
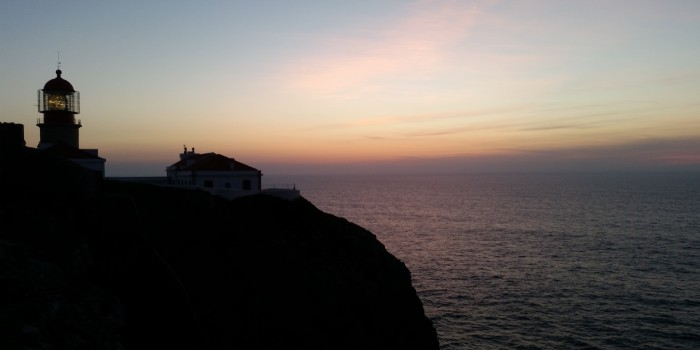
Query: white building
point(214, 173)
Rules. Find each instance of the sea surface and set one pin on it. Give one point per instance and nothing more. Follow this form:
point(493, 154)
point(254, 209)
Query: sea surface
point(537, 261)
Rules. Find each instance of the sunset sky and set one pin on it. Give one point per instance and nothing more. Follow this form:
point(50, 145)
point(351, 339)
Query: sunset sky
point(367, 86)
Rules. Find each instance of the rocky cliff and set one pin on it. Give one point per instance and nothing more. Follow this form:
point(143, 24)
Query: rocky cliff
point(97, 264)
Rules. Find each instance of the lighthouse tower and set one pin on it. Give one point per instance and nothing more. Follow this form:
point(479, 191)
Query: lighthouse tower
point(58, 129)
point(59, 103)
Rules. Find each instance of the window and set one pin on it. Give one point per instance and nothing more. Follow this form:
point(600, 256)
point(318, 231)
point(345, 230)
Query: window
point(227, 185)
point(246, 185)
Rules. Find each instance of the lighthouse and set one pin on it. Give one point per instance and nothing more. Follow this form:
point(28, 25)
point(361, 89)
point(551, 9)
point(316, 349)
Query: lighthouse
point(59, 103)
point(59, 129)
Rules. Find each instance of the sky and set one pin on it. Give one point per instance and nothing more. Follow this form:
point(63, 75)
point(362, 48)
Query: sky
point(361, 86)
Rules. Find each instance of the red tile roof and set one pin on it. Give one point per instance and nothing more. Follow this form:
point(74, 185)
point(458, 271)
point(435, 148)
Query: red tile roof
point(211, 162)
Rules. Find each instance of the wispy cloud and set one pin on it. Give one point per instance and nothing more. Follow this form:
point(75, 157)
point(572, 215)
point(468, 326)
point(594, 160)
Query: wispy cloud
point(400, 119)
point(512, 119)
point(646, 154)
point(516, 118)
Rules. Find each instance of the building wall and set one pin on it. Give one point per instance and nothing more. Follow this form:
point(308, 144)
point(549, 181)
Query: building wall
point(97, 165)
point(218, 180)
point(12, 135)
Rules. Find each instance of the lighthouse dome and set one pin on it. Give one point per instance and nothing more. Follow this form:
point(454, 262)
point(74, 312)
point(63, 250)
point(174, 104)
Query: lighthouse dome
point(58, 83)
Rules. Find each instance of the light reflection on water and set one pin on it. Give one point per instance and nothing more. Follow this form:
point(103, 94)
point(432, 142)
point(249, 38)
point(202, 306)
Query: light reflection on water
point(538, 261)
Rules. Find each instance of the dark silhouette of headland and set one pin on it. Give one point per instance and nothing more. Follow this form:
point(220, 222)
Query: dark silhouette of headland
point(92, 263)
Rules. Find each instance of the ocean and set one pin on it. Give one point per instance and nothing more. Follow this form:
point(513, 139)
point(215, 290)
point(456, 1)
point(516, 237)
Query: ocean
point(537, 261)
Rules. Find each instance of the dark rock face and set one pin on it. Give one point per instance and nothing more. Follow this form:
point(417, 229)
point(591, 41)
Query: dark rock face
point(113, 265)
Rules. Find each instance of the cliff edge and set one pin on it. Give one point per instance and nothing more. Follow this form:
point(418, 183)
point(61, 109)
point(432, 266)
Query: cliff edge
point(87, 263)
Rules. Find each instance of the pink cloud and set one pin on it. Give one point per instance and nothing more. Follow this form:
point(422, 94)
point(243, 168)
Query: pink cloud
point(415, 44)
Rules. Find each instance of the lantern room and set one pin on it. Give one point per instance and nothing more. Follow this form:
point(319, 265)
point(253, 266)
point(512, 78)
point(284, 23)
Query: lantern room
point(59, 103)
point(58, 95)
